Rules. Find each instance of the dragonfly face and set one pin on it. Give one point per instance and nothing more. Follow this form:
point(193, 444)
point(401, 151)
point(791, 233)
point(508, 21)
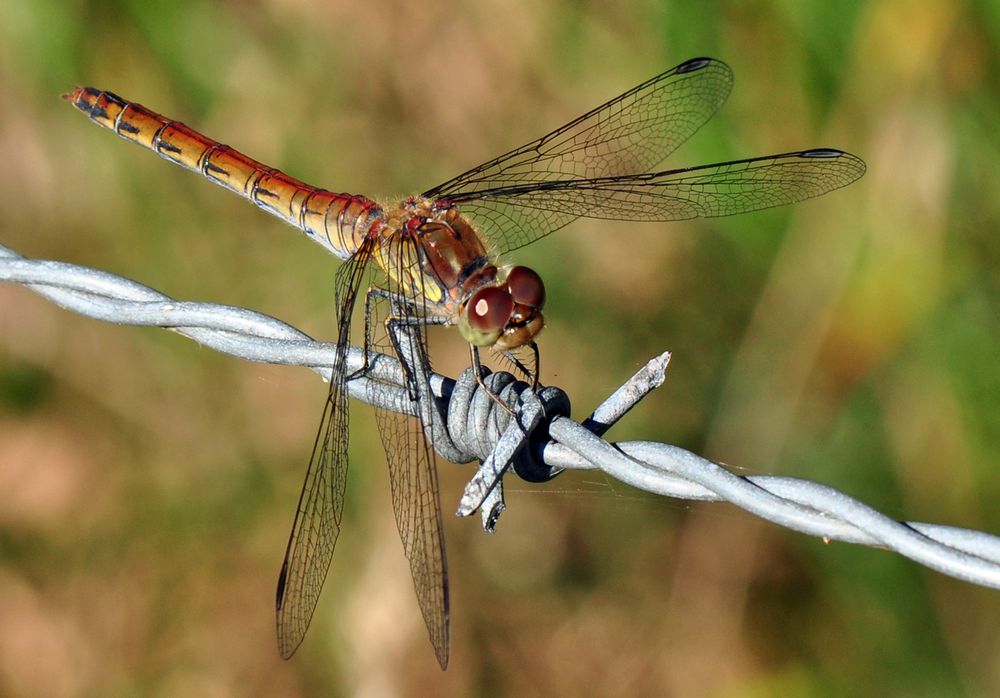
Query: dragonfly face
point(507, 313)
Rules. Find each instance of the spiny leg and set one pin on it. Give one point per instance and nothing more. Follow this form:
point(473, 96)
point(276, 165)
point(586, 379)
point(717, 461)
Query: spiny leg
point(477, 368)
point(369, 340)
point(531, 375)
point(538, 367)
point(398, 328)
point(403, 313)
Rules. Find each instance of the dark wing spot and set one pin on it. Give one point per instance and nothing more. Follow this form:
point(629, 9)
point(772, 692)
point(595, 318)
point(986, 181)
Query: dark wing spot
point(821, 153)
point(693, 65)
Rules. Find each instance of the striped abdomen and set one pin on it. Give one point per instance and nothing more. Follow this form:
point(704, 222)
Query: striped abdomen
point(337, 221)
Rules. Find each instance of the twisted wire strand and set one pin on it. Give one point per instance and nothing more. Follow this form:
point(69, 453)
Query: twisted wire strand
point(540, 444)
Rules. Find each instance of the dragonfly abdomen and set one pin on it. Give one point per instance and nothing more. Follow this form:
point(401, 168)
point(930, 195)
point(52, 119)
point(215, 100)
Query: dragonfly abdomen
point(339, 222)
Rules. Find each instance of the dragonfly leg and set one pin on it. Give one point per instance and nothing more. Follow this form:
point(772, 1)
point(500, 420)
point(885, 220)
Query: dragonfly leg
point(404, 316)
point(393, 325)
point(530, 374)
point(396, 325)
point(369, 342)
point(477, 367)
point(403, 313)
point(538, 367)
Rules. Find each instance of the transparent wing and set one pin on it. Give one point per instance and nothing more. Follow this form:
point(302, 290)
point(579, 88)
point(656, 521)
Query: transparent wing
point(410, 456)
point(523, 213)
point(630, 134)
point(321, 504)
point(415, 500)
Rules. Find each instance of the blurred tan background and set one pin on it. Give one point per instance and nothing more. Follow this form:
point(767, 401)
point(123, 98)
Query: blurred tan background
point(147, 485)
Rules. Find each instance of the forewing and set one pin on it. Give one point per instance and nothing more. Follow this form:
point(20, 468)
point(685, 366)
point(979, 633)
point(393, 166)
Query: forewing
point(630, 134)
point(321, 504)
point(708, 191)
point(412, 466)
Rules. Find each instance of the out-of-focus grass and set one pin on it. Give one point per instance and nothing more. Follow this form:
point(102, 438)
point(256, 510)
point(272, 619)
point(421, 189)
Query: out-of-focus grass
point(147, 485)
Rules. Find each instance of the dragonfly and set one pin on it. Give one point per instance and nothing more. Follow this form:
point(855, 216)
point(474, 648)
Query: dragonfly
point(438, 258)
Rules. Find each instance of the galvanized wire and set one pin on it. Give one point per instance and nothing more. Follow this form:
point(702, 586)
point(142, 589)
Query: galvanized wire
point(540, 444)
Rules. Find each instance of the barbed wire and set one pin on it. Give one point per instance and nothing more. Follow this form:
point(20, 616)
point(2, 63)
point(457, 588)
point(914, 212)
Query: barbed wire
point(542, 441)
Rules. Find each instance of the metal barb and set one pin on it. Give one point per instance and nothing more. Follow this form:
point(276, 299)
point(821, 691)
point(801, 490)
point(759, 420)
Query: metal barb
point(659, 468)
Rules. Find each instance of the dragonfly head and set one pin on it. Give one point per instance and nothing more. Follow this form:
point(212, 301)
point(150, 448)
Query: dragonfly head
point(506, 315)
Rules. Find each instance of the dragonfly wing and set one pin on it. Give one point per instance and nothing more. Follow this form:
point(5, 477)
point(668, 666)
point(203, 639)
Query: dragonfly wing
point(321, 504)
point(630, 134)
point(416, 503)
point(314, 532)
point(708, 191)
point(410, 456)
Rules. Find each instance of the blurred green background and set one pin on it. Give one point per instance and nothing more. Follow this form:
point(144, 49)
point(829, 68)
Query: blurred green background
point(147, 485)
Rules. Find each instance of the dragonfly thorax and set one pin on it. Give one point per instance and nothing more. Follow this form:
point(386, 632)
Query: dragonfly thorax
point(500, 308)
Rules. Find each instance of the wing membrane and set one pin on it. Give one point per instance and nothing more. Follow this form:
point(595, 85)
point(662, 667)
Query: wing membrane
point(629, 134)
point(321, 504)
point(415, 498)
point(410, 455)
point(524, 213)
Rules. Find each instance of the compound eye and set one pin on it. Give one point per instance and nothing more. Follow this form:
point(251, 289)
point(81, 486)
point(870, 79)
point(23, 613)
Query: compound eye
point(526, 287)
point(490, 309)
